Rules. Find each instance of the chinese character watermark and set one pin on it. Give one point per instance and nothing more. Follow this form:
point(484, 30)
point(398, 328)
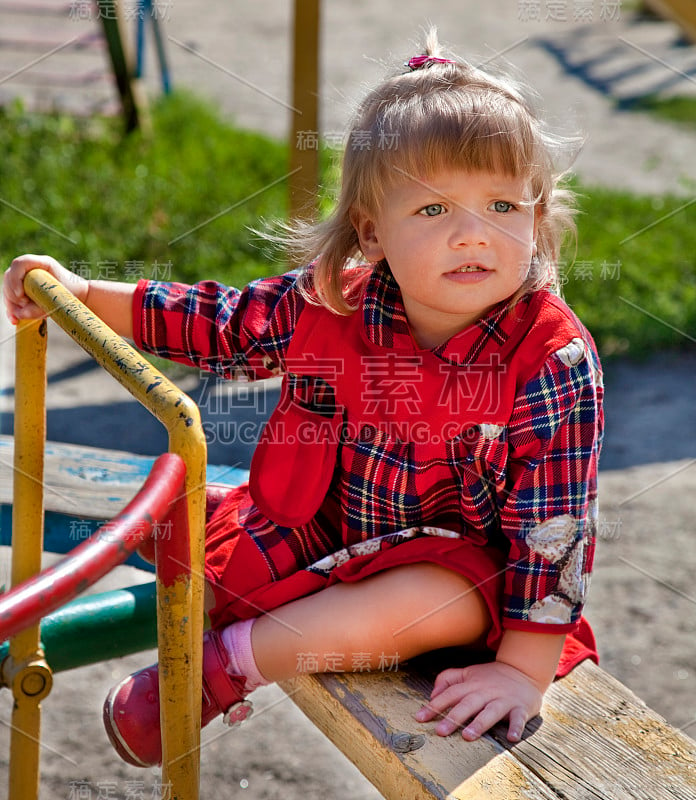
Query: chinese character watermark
point(563, 11)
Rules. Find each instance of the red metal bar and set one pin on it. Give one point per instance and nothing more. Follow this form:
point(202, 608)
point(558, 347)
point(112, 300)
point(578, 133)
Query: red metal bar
point(110, 546)
point(215, 493)
point(173, 553)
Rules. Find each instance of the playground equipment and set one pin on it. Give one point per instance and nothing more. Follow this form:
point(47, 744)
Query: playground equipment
point(133, 100)
point(176, 487)
point(129, 68)
point(105, 23)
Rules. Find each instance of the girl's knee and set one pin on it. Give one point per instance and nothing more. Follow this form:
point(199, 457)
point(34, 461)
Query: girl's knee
point(449, 609)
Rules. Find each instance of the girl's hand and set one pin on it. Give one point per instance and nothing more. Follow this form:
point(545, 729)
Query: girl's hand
point(482, 695)
point(17, 303)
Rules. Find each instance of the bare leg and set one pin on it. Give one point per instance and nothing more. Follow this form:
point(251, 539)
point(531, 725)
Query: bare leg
point(398, 613)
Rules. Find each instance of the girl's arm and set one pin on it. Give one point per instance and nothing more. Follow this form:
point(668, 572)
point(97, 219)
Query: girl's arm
point(534, 654)
point(112, 302)
point(511, 687)
point(236, 333)
point(109, 300)
point(210, 326)
point(555, 435)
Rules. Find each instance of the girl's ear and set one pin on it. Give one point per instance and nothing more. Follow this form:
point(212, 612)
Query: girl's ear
point(367, 235)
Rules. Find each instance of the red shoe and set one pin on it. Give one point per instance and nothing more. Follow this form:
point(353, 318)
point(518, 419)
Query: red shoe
point(132, 708)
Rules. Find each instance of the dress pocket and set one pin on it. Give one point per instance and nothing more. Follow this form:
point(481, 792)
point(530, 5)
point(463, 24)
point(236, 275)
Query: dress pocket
point(295, 459)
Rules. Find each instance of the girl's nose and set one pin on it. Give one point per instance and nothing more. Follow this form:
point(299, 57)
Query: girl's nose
point(469, 229)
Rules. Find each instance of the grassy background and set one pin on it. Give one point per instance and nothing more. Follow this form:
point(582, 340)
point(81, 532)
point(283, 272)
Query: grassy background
point(680, 109)
point(118, 206)
point(180, 207)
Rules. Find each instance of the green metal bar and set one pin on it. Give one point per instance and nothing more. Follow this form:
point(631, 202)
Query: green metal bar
point(99, 627)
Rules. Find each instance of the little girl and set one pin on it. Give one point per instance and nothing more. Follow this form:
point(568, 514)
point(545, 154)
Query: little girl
point(428, 478)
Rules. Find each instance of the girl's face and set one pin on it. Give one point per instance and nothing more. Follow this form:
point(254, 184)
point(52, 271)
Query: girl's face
point(457, 244)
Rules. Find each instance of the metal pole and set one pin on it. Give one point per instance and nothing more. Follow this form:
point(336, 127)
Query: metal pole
point(27, 672)
point(133, 99)
point(304, 144)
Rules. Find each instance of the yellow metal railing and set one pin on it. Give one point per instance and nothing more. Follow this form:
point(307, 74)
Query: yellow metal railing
point(179, 607)
point(28, 674)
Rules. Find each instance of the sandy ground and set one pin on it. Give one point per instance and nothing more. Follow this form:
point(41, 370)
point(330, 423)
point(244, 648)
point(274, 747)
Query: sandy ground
point(642, 603)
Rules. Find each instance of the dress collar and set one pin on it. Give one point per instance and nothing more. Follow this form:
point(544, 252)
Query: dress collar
point(386, 324)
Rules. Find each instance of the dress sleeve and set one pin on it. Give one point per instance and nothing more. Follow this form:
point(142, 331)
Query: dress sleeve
point(549, 508)
point(233, 333)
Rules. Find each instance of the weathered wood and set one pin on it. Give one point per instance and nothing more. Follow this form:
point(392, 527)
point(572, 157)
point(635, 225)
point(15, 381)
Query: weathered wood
point(598, 740)
point(93, 482)
point(594, 739)
point(369, 717)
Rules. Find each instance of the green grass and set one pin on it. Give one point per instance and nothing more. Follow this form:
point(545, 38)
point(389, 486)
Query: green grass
point(680, 109)
point(633, 280)
point(180, 206)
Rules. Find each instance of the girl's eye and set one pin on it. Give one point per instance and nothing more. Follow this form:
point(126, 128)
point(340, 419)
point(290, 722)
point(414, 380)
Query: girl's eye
point(502, 206)
point(433, 210)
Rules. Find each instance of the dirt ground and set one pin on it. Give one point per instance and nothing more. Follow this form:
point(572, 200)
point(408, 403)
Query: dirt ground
point(642, 602)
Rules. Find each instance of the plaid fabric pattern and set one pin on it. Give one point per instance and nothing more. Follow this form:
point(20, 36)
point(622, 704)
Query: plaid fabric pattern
point(527, 486)
point(554, 438)
point(224, 330)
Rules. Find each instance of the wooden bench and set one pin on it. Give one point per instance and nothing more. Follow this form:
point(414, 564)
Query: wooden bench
point(594, 740)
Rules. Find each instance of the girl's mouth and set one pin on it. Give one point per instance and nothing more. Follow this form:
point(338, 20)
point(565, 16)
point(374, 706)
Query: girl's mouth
point(470, 268)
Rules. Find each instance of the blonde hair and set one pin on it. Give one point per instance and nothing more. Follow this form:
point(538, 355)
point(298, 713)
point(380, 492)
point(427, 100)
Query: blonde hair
point(441, 115)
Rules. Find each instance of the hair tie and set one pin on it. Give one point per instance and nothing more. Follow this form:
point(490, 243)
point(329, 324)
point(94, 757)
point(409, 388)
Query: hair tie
point(418, 62)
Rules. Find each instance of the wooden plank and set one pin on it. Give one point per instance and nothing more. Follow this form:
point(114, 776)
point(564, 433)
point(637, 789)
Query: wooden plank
point(598, 740)
point(92, 482)
point(594, 739)
point(369, 717)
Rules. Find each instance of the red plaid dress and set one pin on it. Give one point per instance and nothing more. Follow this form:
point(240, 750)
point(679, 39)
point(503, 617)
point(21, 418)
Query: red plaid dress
point(480, 455)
